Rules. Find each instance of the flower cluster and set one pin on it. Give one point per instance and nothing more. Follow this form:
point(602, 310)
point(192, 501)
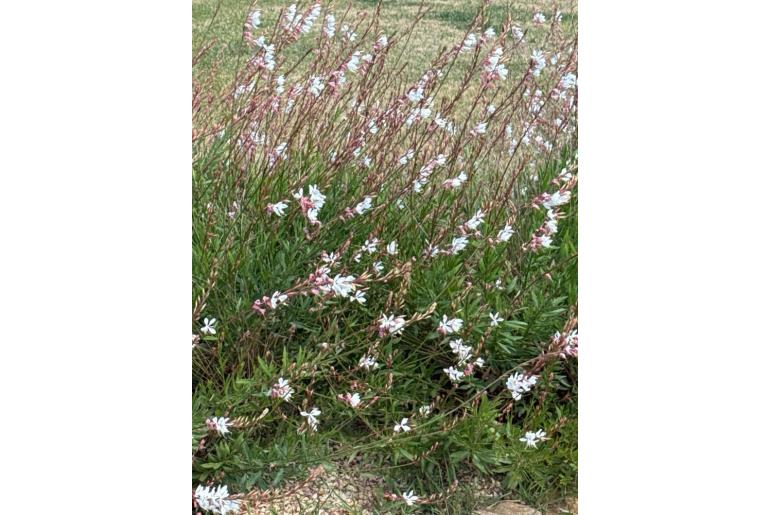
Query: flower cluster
point(493, 69)
point(518, 384)
point(567, 343)
point(450, 325)
point(465, 361)
point(216, 500)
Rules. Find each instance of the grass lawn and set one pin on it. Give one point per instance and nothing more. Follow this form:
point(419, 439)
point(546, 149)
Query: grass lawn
point(444, 24)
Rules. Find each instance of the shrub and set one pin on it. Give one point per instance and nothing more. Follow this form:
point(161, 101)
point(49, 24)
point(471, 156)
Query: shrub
point(384, 270)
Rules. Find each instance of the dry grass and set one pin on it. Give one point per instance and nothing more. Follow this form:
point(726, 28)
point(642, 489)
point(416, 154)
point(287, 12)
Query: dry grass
point(444, 25)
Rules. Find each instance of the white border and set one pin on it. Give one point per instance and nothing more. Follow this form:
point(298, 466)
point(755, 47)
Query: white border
point(95, 366)
point(96, 256)
point(673, 257)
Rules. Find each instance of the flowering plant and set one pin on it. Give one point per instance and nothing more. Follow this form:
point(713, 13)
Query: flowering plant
point(384, 266)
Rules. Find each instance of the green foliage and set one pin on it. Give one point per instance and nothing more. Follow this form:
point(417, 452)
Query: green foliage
point(235, 369)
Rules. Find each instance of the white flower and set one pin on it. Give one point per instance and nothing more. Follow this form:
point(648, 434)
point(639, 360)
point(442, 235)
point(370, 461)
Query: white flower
point(215, 500)
point(450, 325)
point(409, 497)
point(480, 128)
point(208, 326)
point(329, 26)
point(498, 284)
point(415, 95)
point(538, 18)
point(406, 157)
point(518, 34)
point(316, 197)
point(269, 57)
point(557, 199)
point(316, 86)
point(277, 299)
point(400, 203)
point(219, 424)
point(290, 18)
point(242, 90)
point(425, 410)
point(368, 363)
point(454, 374)
point(519, 384)
point(282, 390)
point(432, 251)
point(489, 33)
point(415, 115)
point(475, 221)
point(343, 286)
point(551, 225)
point(310, 19)
point(329, 258)
point(463, 354)
point(370, 246)
point(402, 426)
point(359, 297)
point(255, 18)
point(568, 81)
point(445, 124)
point(278, 153)
point(353, 400)
point(479, 362)
point(544, 240)
point(495, 319)
point(538, 60)
point(234, 210)
point(279, 82)
point(348, 32)
point(382, 42)
point(364, 206)
point(570, 343)
point(457, 181)
point(278, 208)
point(378, 267)
point(458, 244)
point(469, 43)
point(456, 345)
point(391, 324)
point(505, 233)
point(463, 351)
point(354, 61)
point(492, 60)
point(532, 439)
point(392, 248)
point(312, 417)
